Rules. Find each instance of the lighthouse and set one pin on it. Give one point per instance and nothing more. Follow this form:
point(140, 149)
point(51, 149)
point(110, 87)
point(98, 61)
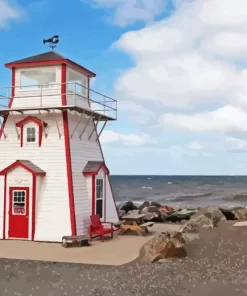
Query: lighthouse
point(53, 174)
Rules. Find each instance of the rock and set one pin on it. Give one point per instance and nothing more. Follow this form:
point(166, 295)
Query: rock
point(213, 213)
point(180, 215)
point(166, 210)
point(188, 237)
point(152, 214)
point(144, 205)
point(128, 206)
point(229, 214)
point(240, 196)
point(241, 214)
point(191, 227)
point(234, 209)
point(155, 204)
point(164, 245)
point(195, 222)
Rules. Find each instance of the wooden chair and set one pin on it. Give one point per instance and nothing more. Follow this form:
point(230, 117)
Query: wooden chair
point(97, 227)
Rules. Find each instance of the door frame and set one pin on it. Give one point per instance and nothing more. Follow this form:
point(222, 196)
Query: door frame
point(10, 199)
point(103, 196)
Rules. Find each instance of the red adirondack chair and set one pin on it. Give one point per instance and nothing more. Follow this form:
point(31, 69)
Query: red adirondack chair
point(97, 227)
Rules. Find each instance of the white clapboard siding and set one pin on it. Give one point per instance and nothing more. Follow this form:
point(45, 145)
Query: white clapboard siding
point(53, 216)
point(83, 151)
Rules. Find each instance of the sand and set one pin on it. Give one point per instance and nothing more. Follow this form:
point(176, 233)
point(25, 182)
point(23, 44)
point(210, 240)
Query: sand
point(216, 265)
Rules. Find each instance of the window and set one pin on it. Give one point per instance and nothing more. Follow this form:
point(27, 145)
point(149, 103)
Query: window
point(100, 197)
point(77, 83)
point(31, 131)
point(34, 79)
point(31, 134)
point(19, 202)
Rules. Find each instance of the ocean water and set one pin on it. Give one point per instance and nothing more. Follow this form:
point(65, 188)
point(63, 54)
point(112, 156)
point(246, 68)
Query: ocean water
point(184, 191)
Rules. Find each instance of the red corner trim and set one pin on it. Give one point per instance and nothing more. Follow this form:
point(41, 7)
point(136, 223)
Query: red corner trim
point(93, 195)
point(4, 205)
point(105, 176)
point(10, 102)
point(50, 63)
point(33, 206)
point(19, 163)
point(37, 121)
point(67, 153)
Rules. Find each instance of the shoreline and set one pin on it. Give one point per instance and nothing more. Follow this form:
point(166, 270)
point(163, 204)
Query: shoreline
point(156, 212)
point(212, 266)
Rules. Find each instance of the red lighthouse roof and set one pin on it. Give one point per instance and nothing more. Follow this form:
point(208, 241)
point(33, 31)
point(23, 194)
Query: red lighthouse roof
point(45, 59)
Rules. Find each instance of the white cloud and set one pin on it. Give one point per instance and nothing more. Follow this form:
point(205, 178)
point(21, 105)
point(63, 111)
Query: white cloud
point(136, 112)
point(236, 145)
point(224, 13)
point(7, 13)
point(125, 139)
point(225, 119)
point(194, 146)
point(127, 12)
point(193, 60)
point(227, 44)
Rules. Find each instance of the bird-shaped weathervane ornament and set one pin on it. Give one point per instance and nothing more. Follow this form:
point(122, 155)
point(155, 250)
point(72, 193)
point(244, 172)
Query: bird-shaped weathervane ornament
point(52, 41)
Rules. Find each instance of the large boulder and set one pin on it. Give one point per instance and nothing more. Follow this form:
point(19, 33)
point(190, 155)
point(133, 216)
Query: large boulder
point(228, 213)
point(180, 215)
point(241, 214)
point(128, 206)
point(212, 213)
point(155, 204)
point(164, 245)
point(144, 205)
point(196, 222)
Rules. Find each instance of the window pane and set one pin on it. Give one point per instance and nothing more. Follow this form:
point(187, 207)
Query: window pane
point(35, 78)
point(99, 188)
point(31, 134)
point(19, 203)
point(99, 207)
point(76, 83)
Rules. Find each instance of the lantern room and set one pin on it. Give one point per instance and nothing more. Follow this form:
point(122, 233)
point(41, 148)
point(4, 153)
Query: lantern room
point(45, 75)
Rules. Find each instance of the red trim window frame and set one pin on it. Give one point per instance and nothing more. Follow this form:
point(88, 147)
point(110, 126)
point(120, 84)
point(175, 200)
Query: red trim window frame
point(94, 175)
point(40, 124)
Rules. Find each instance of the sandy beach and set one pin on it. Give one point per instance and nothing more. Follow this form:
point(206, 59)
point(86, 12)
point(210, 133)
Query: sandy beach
point(216, 264)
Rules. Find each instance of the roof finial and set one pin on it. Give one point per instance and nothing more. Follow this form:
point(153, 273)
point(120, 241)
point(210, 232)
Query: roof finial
point(52, 41)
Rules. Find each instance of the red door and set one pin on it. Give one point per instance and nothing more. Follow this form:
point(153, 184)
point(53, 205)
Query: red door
point(18, 212)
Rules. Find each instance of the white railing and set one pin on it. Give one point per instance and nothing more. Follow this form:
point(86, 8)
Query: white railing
point(51, 96)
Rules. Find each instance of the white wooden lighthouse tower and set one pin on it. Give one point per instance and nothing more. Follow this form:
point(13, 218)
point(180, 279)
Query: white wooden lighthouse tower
point(52, 170)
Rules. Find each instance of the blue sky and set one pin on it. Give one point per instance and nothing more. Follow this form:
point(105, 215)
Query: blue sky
point(177, 69)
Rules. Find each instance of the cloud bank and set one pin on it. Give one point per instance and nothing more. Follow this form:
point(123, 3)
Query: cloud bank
point(193, 63)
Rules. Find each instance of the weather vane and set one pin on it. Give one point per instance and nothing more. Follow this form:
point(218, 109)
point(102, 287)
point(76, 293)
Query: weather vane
point(52, 41)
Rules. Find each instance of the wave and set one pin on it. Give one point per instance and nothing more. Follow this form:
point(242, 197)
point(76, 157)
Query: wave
point(191, 196)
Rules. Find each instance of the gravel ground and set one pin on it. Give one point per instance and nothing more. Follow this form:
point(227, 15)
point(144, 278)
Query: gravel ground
point(216, 265)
